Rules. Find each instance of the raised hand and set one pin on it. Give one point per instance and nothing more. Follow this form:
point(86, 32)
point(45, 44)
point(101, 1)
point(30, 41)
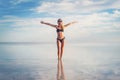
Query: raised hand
point(42, 22)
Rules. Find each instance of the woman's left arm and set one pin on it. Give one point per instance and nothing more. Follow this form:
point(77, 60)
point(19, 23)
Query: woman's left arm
point(66, 25)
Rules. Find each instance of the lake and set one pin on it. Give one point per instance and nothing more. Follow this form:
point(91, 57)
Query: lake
point(38, 61)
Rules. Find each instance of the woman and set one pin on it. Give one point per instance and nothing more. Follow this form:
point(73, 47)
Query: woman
point(60, 34)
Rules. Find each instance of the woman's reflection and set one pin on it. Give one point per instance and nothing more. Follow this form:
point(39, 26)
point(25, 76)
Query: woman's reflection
point(60, 71)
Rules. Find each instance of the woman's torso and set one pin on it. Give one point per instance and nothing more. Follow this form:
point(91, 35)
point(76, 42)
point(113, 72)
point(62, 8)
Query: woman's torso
point(60, 32)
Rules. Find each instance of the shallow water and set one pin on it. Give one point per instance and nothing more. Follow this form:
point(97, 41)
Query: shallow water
point(39, 62)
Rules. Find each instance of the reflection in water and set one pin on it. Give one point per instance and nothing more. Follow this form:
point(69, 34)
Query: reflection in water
point(33, 62)
point(60, 71)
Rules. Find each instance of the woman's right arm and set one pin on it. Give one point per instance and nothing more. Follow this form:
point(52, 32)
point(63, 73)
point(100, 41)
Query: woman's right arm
point(52, 25)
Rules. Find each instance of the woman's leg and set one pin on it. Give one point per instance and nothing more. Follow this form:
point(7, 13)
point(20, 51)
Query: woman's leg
point(62, 48)
point(58, 48)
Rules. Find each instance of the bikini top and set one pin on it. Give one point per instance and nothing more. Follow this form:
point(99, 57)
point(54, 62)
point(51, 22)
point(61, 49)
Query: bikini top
point(60, 30)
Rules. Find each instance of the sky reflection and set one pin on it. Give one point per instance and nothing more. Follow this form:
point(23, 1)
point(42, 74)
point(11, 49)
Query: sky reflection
point(39, 62)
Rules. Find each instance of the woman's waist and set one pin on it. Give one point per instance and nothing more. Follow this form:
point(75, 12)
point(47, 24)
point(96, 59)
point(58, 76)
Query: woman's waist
point(60, 37)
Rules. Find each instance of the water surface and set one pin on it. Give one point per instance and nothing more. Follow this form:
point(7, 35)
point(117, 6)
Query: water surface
point(21, 61)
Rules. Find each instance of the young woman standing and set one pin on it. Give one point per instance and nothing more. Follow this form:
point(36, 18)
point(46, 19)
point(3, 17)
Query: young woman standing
point(60, 34)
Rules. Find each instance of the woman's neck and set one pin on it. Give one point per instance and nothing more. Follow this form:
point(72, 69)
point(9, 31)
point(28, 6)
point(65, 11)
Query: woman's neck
point(61, 26)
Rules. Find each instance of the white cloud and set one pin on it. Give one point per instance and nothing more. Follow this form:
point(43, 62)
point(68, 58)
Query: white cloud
point(93, 20)
point(116, 13)
point(30, 29)
point(55, 7)
point(76, 7)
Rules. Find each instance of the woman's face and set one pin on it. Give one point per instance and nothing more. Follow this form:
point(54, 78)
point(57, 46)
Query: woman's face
point(59, 22)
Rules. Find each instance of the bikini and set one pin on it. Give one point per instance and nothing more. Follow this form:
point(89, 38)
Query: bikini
point(60, 30)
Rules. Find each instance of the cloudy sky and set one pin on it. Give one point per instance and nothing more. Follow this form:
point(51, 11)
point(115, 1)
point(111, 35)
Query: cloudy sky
point(98, 20)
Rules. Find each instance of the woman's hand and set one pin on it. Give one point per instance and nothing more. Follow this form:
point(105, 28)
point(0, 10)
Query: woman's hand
point(42, 22)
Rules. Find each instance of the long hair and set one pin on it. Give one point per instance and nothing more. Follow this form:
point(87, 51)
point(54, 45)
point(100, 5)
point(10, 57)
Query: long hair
point(60, 20)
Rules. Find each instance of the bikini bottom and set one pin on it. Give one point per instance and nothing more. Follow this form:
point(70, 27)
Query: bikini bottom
point(61, 40)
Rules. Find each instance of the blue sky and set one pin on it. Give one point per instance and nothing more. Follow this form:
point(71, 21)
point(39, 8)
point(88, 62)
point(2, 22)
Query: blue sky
point(99, 20)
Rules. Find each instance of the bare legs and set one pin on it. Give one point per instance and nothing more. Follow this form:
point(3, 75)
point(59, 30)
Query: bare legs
point(60, 47)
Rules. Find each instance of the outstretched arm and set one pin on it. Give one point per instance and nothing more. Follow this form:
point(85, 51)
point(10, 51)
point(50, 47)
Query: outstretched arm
point(42, 22)
point(66, 25)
